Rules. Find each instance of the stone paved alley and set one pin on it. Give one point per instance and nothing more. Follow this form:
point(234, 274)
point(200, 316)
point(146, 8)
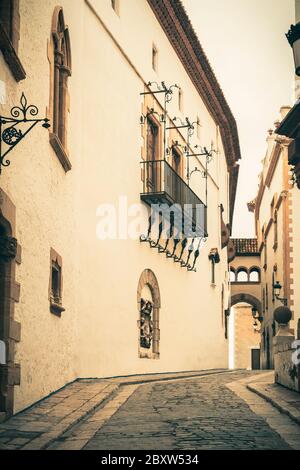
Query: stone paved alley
point(215, 411)
point(189, 414)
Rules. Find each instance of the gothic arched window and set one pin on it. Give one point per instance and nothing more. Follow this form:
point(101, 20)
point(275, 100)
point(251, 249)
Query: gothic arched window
point(60, 62)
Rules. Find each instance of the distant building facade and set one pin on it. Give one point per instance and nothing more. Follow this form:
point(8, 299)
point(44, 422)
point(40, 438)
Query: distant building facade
point(73, 302)
point(276, 222)
point(245, 281)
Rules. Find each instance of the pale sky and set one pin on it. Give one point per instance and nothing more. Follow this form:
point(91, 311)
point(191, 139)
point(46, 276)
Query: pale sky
point(245, 43)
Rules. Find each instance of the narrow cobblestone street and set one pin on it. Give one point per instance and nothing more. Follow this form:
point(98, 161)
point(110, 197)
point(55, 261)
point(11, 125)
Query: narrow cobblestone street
point(179, 411)
point(200, 413)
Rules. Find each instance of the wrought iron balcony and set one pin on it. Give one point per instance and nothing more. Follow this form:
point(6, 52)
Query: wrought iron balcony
point(162, 185)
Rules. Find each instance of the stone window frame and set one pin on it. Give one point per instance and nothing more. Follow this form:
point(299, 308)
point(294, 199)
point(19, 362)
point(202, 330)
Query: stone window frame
point(263, 300)
point(275, 245)
point(232, 274)
point(180, 99)
point(56, 306)
point(115, 4)
point(198, 128)
point(265, 254)
point(239, 270)
point(59, 100)
point(267, 297)
point(149, 279)
point(154, 58)
point(255, 269)
point(9, 38)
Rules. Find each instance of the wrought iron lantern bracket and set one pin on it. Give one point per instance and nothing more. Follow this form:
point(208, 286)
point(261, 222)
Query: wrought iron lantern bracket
point(276, 293)
point(11, 134)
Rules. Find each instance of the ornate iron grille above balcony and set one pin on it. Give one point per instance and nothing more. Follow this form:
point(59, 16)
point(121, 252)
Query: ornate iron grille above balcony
point(162, 185)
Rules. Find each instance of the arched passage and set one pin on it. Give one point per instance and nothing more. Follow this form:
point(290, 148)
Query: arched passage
point(246, 298)
point(246, 340)
point(148, 300)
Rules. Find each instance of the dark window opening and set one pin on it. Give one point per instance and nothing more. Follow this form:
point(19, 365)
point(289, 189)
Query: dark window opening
point(55, 287)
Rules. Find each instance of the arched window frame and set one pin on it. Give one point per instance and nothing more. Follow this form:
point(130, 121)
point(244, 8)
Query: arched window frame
point(148, 278)
point(9, 37)
point(59, 55)
point(242, 269)
point(232, 273)
point(254, 269)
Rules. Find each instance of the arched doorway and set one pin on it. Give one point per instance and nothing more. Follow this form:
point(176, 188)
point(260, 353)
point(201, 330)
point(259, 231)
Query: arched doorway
point(9, 294)
point(245, 332)
point(148, 300)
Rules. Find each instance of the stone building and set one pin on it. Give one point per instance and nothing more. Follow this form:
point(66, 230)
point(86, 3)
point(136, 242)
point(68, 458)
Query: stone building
point(276, 224)
point(245, 280)
point(136, 117)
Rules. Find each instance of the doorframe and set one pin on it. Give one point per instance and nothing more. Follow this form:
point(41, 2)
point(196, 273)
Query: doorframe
point(10, 252)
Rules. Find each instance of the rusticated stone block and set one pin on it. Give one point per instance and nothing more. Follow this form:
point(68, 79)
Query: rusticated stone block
point(15, 330)
point(15, 291)
point(14, 375)
point(18, 258)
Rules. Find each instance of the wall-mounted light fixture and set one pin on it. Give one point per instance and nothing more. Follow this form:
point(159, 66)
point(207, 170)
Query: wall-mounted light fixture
point(214, 257)
point(276, 292)
point(293, 36)
point(256, 315)
point(11, 131)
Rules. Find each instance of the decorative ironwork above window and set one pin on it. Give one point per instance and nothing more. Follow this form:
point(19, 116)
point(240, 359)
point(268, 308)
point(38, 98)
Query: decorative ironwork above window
point(180, 214)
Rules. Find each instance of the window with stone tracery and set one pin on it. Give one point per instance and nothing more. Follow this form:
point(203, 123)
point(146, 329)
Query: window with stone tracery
point(60, 61)
point(148, 316)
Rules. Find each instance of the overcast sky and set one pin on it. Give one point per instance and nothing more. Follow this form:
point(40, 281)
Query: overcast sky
point(246, 46)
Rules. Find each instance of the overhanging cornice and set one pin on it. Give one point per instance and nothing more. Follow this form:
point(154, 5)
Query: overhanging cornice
point(290, 125)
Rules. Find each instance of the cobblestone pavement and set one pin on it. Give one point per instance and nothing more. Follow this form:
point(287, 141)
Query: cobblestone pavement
point(187, 414)
point(167, 411)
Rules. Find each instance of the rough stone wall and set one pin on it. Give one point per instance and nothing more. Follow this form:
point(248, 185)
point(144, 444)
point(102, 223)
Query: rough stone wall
point(287, 373)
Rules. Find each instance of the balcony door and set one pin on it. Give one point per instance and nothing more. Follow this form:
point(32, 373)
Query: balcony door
point(177, 167)
point(152, 157)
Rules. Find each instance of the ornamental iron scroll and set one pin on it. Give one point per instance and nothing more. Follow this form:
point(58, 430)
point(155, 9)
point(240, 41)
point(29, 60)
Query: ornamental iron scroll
point(185, 250)
point(11, 132)
point(146, 324)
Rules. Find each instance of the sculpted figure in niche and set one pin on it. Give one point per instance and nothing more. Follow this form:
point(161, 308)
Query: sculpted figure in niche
point(146, 328)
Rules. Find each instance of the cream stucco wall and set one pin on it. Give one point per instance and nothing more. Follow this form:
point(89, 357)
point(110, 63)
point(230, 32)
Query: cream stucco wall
point(245, 337)
point(97, 335)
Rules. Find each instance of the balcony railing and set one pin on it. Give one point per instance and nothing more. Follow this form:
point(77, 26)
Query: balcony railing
point(162, 185)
